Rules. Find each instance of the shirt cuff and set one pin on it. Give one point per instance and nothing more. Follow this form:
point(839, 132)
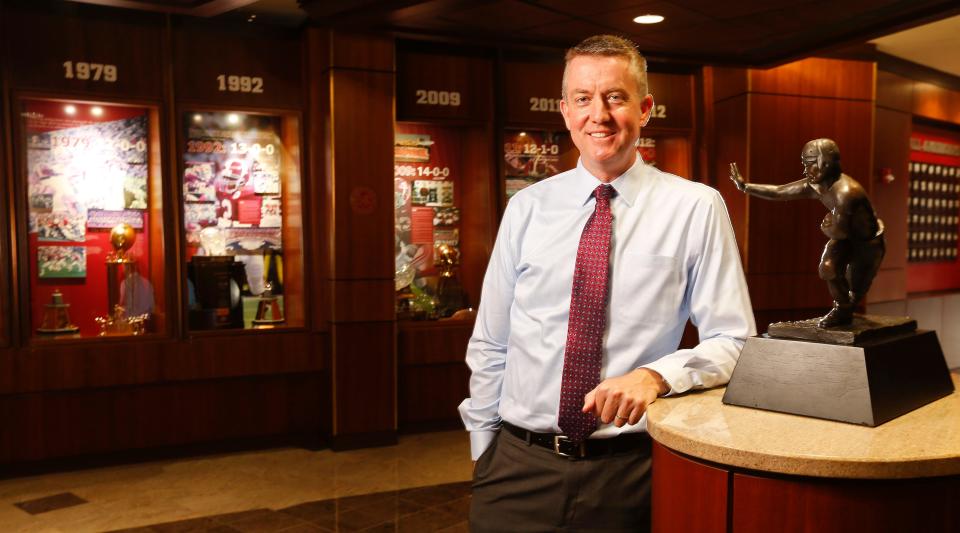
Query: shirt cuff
point(479, 442)
point(676, 377)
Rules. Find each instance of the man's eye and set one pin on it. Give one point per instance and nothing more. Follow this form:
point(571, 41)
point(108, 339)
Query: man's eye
point(615, 98)
point(581, 99)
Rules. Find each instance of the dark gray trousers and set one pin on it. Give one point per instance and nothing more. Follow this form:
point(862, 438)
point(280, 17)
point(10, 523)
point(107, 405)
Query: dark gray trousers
point(525, 488)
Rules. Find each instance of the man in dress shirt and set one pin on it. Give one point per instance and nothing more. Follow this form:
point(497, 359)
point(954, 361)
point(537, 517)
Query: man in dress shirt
point(672, 256)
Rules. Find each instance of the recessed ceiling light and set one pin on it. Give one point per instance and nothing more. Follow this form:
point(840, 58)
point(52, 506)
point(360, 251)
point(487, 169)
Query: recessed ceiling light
point(198, 118)
point(69, 109)
point(96, 111)
point(648, 19)
point(233, 118)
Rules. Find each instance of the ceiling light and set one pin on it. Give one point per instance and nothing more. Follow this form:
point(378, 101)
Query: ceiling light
point(648, 19)
point(69, 109)
point(96, 111)
point(233, 118)
point(198, 118)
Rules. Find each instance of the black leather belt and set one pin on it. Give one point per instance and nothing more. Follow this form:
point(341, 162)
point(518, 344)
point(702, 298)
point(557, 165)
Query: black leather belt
point(560, 445)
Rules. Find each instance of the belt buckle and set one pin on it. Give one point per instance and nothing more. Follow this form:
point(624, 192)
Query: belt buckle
point(581, 449)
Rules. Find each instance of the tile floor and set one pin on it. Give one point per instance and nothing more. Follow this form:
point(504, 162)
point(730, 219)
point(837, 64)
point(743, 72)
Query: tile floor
point(421, 484)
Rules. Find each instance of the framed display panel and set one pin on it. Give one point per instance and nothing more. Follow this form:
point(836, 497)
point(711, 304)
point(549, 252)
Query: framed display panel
point(91, 208)
point(933, 210)
point(242, 219)
point(443, 217)
point(427, 179)
point(530, 155)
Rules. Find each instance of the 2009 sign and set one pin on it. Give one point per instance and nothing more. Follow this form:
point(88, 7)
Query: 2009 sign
point(442, 98)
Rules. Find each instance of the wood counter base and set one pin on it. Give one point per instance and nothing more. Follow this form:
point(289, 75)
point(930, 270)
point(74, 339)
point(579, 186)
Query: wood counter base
point(696, 496)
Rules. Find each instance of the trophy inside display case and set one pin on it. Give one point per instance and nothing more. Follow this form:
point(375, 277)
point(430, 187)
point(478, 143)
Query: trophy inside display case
point(129, 295)
point(237, 182)
point(56, 317)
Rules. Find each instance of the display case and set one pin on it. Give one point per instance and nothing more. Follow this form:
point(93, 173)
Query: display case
point(242, 229)
point(239, 140)
point(443, 185)
point(92, 206)
point(933, 210)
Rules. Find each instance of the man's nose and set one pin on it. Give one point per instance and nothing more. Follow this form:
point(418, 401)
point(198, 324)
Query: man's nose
point(598, 110)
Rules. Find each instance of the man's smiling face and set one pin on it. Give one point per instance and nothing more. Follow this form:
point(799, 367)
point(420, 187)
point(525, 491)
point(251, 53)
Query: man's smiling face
point(604, 111)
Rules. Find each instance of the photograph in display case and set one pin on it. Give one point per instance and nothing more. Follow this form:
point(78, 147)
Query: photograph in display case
point(427, 220)
point(87, 170)
point(61, 262)
point(530, 156)
point(233, 218)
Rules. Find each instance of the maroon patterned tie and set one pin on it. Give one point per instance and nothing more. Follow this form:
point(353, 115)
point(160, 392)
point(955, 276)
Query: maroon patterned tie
point(588, 319)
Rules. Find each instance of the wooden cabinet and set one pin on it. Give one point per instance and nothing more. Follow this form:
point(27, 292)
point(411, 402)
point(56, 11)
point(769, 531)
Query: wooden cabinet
point(713, 498)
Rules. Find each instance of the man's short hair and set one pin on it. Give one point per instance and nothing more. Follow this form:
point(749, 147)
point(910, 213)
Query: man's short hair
point(609, 46)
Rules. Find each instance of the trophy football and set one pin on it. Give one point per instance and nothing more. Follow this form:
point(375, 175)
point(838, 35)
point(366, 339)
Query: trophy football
point(863, 369)
point(122, 283)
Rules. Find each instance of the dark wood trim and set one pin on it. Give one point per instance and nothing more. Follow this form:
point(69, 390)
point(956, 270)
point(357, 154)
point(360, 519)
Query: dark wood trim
point(8, 298)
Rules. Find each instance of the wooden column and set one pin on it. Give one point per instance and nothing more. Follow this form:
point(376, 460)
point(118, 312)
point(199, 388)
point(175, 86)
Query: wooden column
point(351, 80)
point(892, 151)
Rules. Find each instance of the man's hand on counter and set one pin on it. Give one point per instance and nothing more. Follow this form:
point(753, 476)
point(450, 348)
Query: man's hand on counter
point(623, 399)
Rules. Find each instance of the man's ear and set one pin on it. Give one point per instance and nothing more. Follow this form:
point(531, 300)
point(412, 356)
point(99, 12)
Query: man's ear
point(646, 108)
point(564, 110)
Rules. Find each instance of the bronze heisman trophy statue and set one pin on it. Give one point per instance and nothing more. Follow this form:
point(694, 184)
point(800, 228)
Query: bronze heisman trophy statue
point(852, 256)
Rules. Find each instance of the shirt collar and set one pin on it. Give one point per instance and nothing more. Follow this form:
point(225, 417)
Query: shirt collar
point(627, 184)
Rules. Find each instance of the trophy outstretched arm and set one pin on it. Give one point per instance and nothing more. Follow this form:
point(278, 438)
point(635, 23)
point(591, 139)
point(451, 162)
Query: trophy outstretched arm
point(790, 191)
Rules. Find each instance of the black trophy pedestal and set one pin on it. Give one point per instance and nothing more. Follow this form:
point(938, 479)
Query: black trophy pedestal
point(866, 383)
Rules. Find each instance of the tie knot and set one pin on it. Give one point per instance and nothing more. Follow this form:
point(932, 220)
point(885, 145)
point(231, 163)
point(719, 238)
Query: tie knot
point(604, 192)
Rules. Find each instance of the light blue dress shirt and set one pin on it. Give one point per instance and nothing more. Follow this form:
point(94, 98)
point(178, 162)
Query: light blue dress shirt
point(673, 257)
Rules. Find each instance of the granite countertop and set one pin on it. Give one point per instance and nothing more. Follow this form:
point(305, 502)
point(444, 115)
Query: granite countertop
point(922, 443)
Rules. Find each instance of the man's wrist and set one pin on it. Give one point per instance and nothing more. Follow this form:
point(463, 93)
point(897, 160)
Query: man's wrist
point(661, 384)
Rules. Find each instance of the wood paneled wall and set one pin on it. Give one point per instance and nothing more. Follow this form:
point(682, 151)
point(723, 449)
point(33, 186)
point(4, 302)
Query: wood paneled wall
point(351, 80)
point(892, 150)
point(66, 398)
point(763, 118)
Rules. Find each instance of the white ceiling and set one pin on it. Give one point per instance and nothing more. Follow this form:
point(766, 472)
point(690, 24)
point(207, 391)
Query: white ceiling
point(936, 45)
